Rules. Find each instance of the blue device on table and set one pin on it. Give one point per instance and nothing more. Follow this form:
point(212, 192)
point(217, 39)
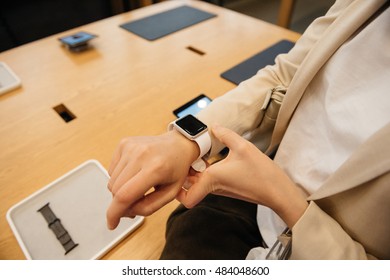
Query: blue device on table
point(78, 41)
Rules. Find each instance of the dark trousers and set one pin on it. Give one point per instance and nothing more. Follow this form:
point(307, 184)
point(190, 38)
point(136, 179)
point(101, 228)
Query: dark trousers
point(218, 228)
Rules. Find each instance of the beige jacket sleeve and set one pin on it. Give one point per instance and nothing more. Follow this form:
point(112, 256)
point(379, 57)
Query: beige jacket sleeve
point(324, 238)
point(348, 217)
point(239, 109)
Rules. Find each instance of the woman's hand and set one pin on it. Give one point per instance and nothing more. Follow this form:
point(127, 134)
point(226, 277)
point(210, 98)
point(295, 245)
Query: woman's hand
point(247, 174)
point(141, 164)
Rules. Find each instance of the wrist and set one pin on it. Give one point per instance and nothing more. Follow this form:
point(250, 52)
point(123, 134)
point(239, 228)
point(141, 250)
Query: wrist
point(187, 148)
point(292, 208)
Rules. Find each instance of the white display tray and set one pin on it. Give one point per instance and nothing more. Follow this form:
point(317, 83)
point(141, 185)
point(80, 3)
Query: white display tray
point(79, 199)
point(8, 79)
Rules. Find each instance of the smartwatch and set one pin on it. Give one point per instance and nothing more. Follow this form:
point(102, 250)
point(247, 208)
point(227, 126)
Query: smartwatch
point(194, 130)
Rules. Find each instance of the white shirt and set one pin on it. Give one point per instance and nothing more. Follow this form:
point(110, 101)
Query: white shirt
point(346, 103)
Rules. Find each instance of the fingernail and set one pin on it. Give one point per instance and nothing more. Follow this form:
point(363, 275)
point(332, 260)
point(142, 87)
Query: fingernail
point(110, 226)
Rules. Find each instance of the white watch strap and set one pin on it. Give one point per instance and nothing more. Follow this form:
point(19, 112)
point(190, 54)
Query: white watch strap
point(199, 165)
point(204, 143)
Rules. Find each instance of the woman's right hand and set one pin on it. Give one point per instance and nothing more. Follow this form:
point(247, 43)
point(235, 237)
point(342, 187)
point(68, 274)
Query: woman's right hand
point(246, 174)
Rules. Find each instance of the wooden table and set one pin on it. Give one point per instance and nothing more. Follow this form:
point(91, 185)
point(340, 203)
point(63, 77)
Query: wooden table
point(124, 86)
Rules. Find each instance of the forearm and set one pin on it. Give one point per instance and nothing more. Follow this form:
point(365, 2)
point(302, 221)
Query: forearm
point(292, 207)
point(285, 198)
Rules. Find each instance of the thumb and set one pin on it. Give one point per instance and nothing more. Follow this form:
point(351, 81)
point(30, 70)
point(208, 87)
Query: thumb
point(196, 192)
point(226, 136)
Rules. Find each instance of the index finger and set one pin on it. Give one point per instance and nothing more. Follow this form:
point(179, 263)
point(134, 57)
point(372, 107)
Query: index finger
point(115, 159)
point(127, 195)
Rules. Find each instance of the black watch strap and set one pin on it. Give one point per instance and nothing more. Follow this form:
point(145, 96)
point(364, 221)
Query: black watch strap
point(58, 229)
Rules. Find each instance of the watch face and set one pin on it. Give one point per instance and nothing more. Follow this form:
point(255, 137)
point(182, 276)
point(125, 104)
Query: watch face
point(191, 125)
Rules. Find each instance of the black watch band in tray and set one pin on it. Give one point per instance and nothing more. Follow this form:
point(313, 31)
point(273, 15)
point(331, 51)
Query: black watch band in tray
point(58, 229)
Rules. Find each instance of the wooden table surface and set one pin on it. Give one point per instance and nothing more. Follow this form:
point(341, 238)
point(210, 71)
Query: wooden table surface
point(124, 86)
